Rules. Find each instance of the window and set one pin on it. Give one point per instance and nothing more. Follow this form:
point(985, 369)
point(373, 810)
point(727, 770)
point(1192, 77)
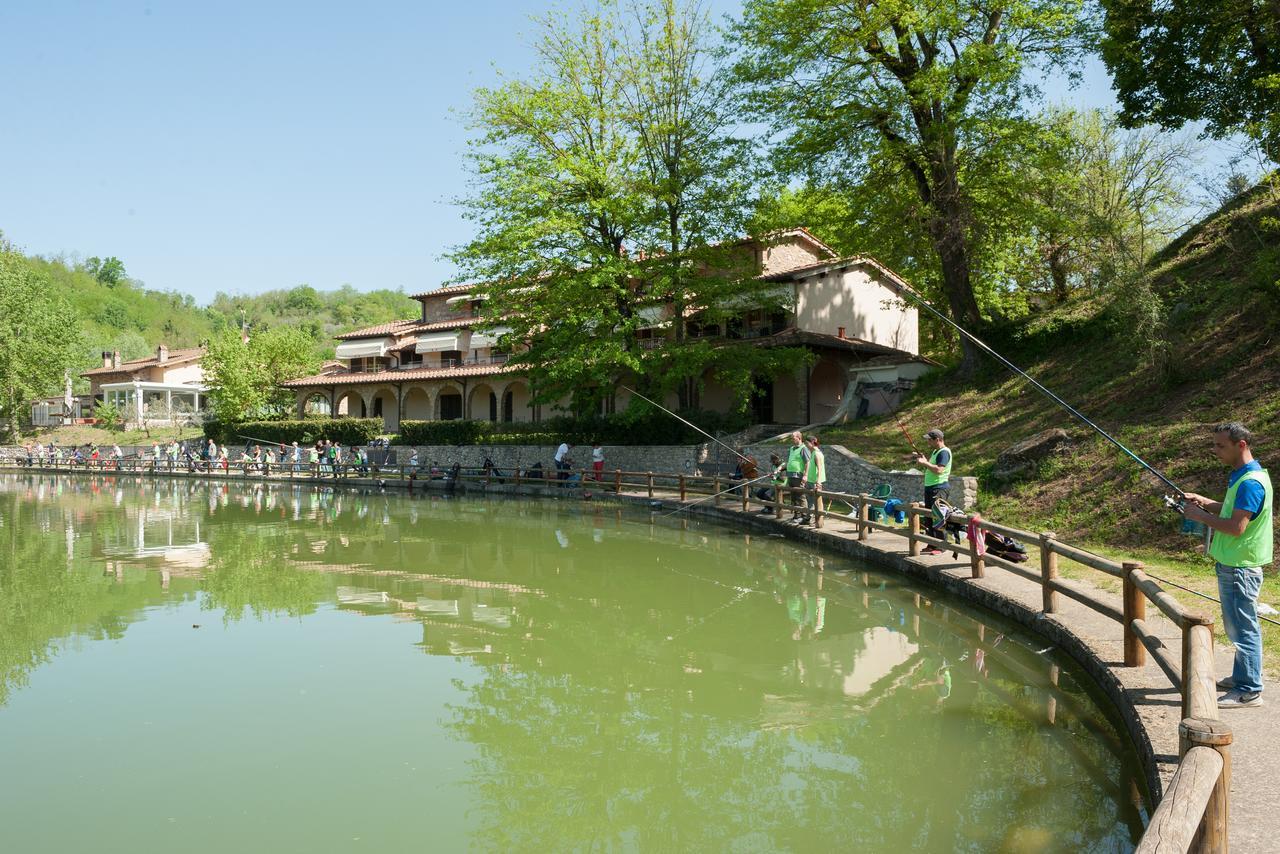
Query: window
point(450, 407)
point(450, 359)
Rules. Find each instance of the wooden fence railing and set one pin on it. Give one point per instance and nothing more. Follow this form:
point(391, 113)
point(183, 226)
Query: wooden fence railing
point(1192, 815)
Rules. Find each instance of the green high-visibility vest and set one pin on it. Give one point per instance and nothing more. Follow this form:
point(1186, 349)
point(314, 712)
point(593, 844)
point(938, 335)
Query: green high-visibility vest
point(933, 478)
point(817, 472)
point(1253, 547)
point(795, 460)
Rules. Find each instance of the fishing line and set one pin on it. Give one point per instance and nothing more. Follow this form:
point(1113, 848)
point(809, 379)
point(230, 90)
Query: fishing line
point(685, 421)
point(1011, 366)
point(1202, 595)
point(739, 484)
point(889, 408)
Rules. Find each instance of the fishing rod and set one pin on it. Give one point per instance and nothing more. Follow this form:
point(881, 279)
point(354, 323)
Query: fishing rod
point(889, 407)
point(690, 423)
point(916, 297)
point(743, 484)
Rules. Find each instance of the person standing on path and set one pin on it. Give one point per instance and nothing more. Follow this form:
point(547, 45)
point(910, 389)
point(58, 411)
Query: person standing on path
point(563, 461)
point(1241, 547)
point(597, 460)
point(815, 475)
point(937, 472)
point(797, 465)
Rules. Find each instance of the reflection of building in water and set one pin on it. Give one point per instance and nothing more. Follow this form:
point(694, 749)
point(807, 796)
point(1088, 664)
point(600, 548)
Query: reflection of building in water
point(157, 535)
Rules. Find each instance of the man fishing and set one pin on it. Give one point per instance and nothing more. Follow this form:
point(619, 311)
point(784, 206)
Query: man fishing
point(797, 466)
point(1241, 547)
point(937, 472)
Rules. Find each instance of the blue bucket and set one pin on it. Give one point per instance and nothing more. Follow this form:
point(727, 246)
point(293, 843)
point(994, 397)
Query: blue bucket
point(1193, 528)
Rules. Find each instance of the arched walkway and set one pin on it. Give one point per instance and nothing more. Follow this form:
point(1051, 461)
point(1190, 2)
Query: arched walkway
point(417, 404)
point(482, 403)
point(514, 405)
point(448, 405)
point(386, 407)
point(351, 405)
point(315, 403)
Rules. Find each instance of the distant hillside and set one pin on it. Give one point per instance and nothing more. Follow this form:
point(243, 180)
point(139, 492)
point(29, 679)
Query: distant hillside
point(125, 316)
point(1155, 363)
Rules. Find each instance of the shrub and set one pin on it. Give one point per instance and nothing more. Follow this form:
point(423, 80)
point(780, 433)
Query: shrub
point(345, 431)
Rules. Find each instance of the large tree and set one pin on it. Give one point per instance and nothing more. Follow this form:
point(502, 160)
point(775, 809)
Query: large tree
point(244, 377)
point(920, 92)
point(40, 337)
point(1190, 60)
point(608, 185)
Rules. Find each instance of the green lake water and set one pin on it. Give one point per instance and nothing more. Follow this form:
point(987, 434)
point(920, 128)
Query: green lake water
point(204, 667)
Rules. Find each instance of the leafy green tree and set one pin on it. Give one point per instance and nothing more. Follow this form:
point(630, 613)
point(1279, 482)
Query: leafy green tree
point(109, 271)
point(1185, 61)
point(924, 96)
point(40, 337)
point(608, 184)
point(108, 415)
point(244, 379)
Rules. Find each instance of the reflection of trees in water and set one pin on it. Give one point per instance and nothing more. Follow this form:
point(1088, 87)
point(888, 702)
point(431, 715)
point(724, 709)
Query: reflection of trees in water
point(250, 570)
point(47, 594)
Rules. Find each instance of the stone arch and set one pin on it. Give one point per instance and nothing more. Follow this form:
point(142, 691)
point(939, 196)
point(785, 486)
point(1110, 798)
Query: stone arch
point(827, 382)
point(417, 404)
point(351, 404)
point(315, 403)
point(448, 402)
point(482, 403)
point(514, 404)
point(385, 404)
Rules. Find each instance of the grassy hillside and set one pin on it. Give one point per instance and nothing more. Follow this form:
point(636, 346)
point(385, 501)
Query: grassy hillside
point(1156, 365)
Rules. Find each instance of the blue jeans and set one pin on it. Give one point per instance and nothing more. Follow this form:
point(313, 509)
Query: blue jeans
point(1238, 589)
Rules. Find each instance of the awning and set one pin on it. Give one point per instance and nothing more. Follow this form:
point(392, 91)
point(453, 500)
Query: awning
point(441, 341)
point(490, 338)
point(363, 348)
point(465, 298)
point(651, 315)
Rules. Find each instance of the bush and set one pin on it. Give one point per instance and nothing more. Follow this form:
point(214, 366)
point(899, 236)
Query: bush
point(345, 431)
point(651, 428)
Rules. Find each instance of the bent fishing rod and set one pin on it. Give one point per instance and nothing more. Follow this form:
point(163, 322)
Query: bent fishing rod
point(889, 408)
point(742, 484)
point(685, 421)
point(917, 298)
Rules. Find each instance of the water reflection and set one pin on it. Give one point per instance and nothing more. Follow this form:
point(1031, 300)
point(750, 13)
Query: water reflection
point(632, 682)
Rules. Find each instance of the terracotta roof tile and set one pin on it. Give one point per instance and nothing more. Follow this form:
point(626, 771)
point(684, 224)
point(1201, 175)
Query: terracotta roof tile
point(402, 376)
point(395, 327)
point(451, 290)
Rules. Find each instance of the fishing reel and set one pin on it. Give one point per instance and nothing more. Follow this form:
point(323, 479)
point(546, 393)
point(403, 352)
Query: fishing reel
point(1176, 503)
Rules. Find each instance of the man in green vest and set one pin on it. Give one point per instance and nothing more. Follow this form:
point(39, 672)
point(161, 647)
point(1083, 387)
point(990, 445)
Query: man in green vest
point(797, 466)
point(815, 475)
point(937, 471)
point(1241, 547)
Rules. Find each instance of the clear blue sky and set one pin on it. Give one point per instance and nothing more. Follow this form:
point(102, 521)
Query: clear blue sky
point(242, 146)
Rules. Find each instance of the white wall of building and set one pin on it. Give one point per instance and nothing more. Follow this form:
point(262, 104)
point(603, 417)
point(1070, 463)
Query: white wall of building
point(857, 300)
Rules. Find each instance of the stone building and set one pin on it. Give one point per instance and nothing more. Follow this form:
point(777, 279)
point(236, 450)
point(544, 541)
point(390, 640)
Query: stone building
point(849, 312)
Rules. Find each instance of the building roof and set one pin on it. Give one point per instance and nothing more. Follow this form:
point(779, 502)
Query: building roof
point(395, 327)
point(401, 376)
point(450, 290)
point(191, 354)
point(810, 270)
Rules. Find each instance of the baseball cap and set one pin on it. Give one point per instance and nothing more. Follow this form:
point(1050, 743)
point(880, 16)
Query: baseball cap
point(933, 434)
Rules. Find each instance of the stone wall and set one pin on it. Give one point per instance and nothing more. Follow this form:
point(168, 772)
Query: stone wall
point(846, 471)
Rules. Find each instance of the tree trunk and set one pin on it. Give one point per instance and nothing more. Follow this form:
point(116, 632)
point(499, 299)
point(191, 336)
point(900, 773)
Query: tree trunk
point(1058, 273)
point(952, 245)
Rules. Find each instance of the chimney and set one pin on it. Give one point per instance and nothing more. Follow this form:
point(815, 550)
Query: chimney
point(106, 359)
point(162, 353)
point(840, 334)
point(115, 359)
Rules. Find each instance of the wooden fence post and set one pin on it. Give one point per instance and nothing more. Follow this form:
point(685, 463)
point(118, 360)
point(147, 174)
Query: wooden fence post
point(777, 502)
point(1135, 608)
point(1048, 573)
point(650, 484)
point(682, 486)
point(1199, 732)
point(817, 507)
point(746, 497)
point(617, 481)
point(715, 491)
point(977, 565)
point(864, 516)
point(913, 529)
point(1189, 624)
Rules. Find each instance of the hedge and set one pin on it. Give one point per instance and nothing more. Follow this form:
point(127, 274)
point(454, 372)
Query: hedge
point(654, 428)
point(344, 431)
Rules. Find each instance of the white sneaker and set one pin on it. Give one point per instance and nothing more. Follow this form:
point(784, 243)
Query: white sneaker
point(1240, 700)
